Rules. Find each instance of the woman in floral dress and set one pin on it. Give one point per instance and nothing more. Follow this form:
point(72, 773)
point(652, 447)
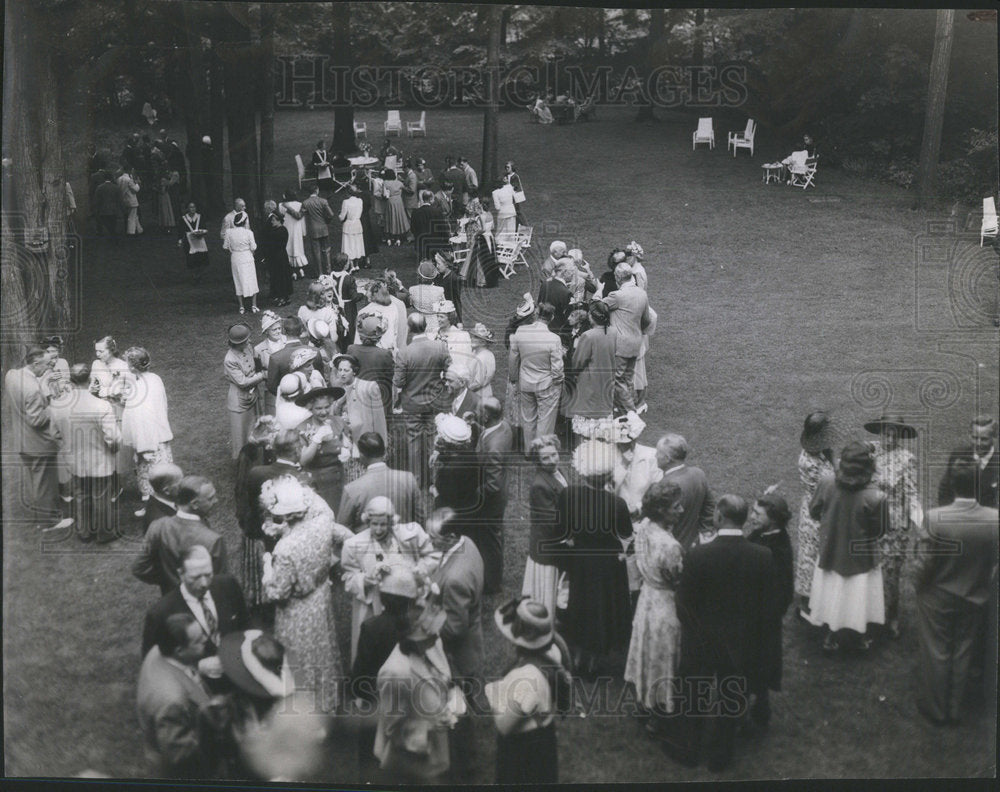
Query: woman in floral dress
point(819, 438)
point(296, 576)
point(896, 476)
point(654, 651)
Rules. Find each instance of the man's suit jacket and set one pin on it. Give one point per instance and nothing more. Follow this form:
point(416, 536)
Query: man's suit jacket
point(255, 483)
point(494, 449)
point(375, 365)
point(452, 286)
point(460, 576)
point(698, 503)
point(987, 479)
point(418, 374)
point(166, 541)
point(230, 608)
point(376, 640)
point(430, 230)
point(557, 294)
point(629, 316)
point(446, 204)
point(280, 363)
point(536, 358)
point(471, 402)
point(399, 486)
point(33, 425)
point(107, 200)
point(155, 509)
point(958, 550)
point(90, 435)
point(168, 701)
point(363, 409)
point(724, 601)
point(318, 214)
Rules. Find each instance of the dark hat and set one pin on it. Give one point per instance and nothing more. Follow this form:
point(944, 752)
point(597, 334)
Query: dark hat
point(903, 430)
point(819, 432)
point(349, 358)
point(517, 622)
point(238, 334)
point(307, 398)
point(427, 270)
point(244, 670)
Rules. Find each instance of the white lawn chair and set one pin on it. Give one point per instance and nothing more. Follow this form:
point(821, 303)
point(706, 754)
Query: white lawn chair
point(523, 238)
point(989, 227)
point(802, 172)
point(360, 128)
point(393, 123)
point(705, 133)
point(507, 252)
point(301, 168)
point(413, 127)
point(742, 139)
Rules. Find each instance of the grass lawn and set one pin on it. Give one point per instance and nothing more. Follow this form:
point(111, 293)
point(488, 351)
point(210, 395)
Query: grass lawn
point(771, 304)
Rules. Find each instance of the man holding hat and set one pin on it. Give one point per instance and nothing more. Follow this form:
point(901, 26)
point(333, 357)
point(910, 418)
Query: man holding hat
point(426, 294)
point(417, 387)
point(244, 378)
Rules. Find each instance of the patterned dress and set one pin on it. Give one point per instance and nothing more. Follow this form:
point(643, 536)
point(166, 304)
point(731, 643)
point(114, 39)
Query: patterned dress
point(896, 476)
point(300, 586)
point(811, 469)
point(654, 651)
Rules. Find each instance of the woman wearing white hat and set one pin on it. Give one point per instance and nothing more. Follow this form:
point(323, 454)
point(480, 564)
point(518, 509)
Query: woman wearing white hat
point(240, 243)
point(595, 521)
point(296, 577)
point(525, 702)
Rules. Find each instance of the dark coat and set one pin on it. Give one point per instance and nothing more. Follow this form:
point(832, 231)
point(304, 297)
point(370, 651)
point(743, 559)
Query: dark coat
point(452, 286)
point(557, 294)
point(850, 524)
point(155, 509)
point(431, 232)
point(166, 541)
point(229, 605)
point(776, 540)
point(987, 479)
point(543, 501)
point(724, 601)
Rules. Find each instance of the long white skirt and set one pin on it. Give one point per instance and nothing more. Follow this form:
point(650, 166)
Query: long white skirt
point(296, 248)
point(352, 242)
point(244, 274)
point(846, 602)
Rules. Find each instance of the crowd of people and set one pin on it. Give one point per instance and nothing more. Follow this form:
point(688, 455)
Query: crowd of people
point(373, 464)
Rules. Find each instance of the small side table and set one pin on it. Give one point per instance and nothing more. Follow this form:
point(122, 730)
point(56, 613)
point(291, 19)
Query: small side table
point(772, 172)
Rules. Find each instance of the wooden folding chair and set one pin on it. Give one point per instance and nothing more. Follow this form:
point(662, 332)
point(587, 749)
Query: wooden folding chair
point(802, 175)
point(507, 250)
point(393, 123)
point(705, 133)
point(523, 238)
point(301, 168)
point(989, 226)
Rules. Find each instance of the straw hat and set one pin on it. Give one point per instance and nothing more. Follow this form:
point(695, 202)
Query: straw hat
point(453, 429)
point(427, 270)
point(371, 326)
point(628, 427)
point(519, 625)
point(242, 667)
point(527, 307)
point(284, 495)
point(268, 319)
point(903, 430)
point(444, 307)
point(318, 328)
point(481, 331)
point(302, 357)
point(400, 582)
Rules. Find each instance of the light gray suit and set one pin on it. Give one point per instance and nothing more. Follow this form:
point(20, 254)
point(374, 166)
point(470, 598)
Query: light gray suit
point(37, 440)
point(629, 316)
point(535, 365)
point(956, 577)
point(399, 486)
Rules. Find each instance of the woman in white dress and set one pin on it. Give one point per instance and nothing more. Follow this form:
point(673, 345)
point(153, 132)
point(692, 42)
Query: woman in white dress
point(145, 424)
point(295, 222)
point(352, 237)
point(503, 202)
point(240, 243)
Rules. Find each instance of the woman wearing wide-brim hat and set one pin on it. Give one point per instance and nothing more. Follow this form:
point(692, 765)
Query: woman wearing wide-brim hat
point(243, 399)
point(896, 476)
point(820, 436)
point(326, 442)
point(525, 701)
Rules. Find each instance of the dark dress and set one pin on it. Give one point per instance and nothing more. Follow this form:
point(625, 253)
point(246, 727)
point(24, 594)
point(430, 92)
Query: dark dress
point(458, 480)
point(776, 540)
point(273, 242)
point(368, 228)
point(326, 468)
point(599, 616)
point(193, 260)
point(345, 290)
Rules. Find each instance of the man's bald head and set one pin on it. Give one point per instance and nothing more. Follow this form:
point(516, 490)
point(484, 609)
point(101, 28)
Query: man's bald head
point(164, 478)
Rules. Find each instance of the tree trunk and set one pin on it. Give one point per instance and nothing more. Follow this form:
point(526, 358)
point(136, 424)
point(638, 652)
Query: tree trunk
point(504, 23)
point(343, 108)
point(656, 17)
point(698, 46)
point(217, 125)
point(491, 113)
point(195, 109)
point(601, 14)
point(240, 107)
point(266, 98)
point(39, 258)
point(937, 91)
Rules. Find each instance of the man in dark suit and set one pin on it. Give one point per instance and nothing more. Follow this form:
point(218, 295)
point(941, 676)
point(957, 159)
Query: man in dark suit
point(494, 448)
point(444, 200)
point(163, 478)
point(318, 214)
point(215, 601)
point(697, 500)
point(430, 229)
point(170, 697)
point(983, 453)
point(724, 600)
point(459, 575)
point(287, 446)
point(416, 386)
point(956, 575)
point(455, 176)
point(106, 205)
point(280, 362)
point(399, 486)
point(169, 537)
point(555, 291)
point(457, 399)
